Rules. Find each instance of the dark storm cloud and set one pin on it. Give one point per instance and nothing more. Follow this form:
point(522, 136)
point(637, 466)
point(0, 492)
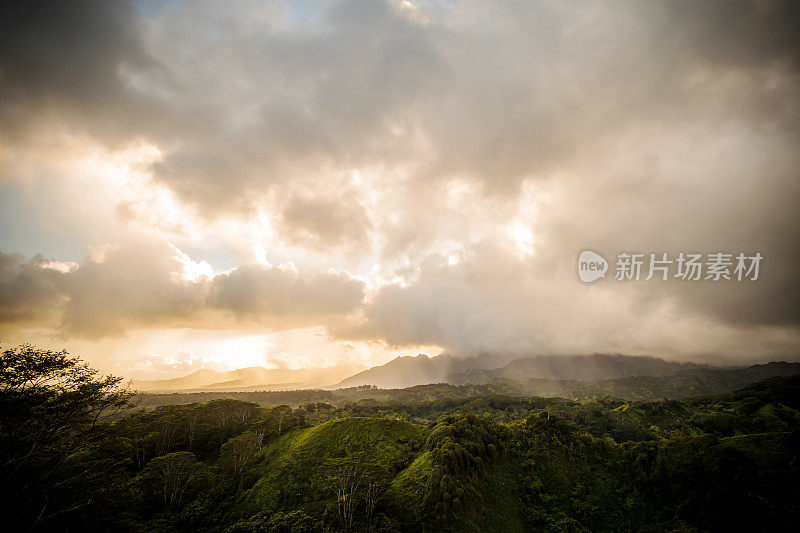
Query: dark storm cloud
point(738, 32)
point(60, 60)
point(519, 90)
point(517, 93)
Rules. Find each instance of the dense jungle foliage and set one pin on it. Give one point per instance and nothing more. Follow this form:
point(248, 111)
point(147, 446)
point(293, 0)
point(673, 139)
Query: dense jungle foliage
point(76, 455)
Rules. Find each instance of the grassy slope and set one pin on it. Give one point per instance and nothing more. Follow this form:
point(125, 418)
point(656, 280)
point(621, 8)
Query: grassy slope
point(294, 466)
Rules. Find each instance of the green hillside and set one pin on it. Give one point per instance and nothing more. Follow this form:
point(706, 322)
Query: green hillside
point(415, 460)
point(301, 461)
point(606, 466)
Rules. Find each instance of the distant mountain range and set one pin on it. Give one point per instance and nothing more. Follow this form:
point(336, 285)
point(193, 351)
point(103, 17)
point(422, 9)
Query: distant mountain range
point(408, 371)
point(422, 370)
point(403, 372)
point(686, 383)
point(247, 379)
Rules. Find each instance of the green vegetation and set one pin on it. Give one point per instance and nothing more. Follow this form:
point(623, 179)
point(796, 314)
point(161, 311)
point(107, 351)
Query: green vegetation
point(407, 460)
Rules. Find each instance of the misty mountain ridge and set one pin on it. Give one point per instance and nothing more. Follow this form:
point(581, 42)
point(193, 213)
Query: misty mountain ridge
point(407, 371)
point(250, 378)
point(410, 371)
point(404, 372)
point(574, 368)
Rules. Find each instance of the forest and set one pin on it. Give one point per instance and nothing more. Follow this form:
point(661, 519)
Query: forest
point(80, 452)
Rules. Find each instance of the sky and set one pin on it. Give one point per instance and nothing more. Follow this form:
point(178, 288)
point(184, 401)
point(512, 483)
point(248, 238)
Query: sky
point(223, 184)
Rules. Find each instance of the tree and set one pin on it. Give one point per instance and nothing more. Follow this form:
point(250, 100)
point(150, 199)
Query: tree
point(346, 477)
point(281, 416)
point(237, 454)
point(52, 409)
point(354, 479)
point(373, 488)
point(172, 474)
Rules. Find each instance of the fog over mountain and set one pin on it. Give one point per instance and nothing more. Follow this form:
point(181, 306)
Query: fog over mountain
point(253, 378)
point(409, 371)
point(420, 370)
point(578, 368)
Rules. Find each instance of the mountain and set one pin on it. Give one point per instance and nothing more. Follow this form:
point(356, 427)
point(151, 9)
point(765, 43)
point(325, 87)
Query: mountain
point(690, 382)
point(422, 370)
point(575, 368)
point(408, 371)
point(685, 383)
point(194, 380)
point(251, 378)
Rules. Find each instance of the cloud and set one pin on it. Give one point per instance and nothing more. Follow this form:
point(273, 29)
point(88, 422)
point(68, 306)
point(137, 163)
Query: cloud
point(138, 285)
point(29, 290)
point(60, 64)
point(325, 223)
point(130, 286)
point(283, 295)
point(406, 145)
point(493, 301)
